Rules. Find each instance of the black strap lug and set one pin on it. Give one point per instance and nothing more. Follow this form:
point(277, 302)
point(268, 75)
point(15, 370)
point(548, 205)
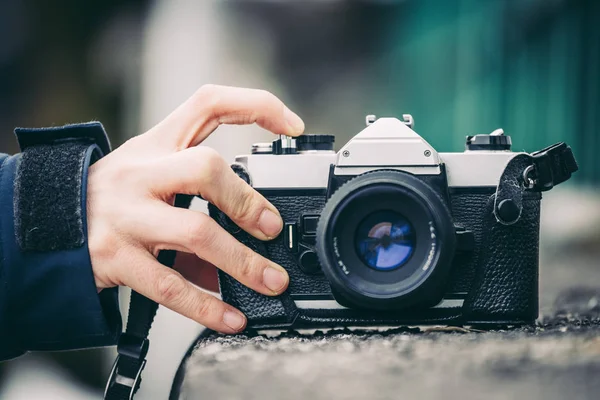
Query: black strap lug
point(553, 165)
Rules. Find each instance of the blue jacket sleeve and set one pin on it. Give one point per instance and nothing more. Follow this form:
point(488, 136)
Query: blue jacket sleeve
point(48, 299)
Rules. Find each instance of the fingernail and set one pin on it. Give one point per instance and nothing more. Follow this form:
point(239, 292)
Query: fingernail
point(294, 122)
point(275, 280)
point(234, 320)
point(270, 223)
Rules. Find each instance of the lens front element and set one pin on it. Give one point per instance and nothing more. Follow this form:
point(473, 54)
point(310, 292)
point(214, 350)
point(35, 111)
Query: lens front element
point(385, 240)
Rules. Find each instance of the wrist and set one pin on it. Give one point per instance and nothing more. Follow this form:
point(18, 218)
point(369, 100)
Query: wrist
point(51, 244)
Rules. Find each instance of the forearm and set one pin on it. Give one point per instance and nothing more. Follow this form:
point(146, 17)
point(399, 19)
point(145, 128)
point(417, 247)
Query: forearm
point(49, 297)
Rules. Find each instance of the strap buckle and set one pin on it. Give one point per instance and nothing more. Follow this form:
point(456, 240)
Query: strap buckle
point(553, 165)
point(135, 349)
point(131, 383)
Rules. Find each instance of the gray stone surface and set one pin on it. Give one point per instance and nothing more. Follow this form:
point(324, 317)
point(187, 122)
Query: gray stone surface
point(559, 358)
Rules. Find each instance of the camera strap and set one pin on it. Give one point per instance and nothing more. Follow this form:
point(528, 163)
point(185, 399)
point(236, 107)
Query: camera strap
point(132, 348)
point(536, 172)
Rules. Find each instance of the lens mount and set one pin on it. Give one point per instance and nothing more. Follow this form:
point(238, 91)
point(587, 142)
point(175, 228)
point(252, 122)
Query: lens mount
point(385, 239)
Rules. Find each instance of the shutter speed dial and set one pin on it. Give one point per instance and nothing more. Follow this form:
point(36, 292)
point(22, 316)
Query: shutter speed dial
point(310, 143)
point(300, 145)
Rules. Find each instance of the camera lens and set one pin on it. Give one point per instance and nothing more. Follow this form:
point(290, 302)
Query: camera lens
point(385, 240)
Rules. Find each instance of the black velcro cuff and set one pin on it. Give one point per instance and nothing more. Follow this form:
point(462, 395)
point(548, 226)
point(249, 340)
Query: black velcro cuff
point(51, 184)
point(88, 132)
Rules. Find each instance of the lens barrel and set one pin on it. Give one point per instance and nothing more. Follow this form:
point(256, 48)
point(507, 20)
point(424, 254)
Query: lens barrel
point(385, 240)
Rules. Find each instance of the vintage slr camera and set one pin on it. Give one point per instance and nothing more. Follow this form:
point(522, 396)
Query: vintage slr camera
point(387, 231)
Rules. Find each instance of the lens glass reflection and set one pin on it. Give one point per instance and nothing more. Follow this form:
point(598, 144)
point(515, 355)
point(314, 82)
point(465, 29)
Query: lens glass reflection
point(385, 240)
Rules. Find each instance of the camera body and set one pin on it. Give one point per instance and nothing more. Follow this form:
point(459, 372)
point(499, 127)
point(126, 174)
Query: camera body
point(388, 231)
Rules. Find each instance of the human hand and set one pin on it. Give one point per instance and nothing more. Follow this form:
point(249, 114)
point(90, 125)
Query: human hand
point(131, 215)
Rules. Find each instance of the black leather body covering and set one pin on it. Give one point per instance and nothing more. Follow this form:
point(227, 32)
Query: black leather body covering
point(498, 280)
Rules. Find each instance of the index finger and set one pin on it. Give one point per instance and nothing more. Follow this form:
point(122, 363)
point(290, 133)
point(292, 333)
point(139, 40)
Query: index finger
point(213, 105)
point(201, 171)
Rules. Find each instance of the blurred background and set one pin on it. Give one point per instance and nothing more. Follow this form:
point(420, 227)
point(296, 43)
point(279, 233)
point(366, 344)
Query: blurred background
point(460, 67)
